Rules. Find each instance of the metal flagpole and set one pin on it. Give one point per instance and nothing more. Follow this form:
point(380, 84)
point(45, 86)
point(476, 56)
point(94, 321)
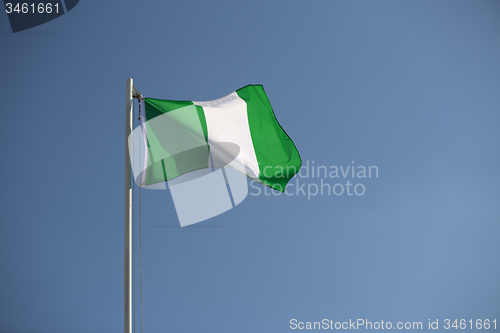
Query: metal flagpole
point(128, 210)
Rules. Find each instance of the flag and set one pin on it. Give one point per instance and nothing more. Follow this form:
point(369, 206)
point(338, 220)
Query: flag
point(239, 130)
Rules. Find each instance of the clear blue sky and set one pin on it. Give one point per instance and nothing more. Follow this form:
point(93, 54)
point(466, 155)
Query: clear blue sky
point(411, 87)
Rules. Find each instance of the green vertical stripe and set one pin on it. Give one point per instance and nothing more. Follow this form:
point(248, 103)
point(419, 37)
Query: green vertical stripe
point(180, 163)
point(276, 154)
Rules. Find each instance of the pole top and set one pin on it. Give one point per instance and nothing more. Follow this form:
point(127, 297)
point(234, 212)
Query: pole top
point(135, 93)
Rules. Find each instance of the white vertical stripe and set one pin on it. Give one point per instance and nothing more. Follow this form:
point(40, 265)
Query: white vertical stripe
point(227, 121)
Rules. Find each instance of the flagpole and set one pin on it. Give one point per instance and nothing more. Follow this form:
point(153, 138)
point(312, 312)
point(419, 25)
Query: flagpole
point(128, 211)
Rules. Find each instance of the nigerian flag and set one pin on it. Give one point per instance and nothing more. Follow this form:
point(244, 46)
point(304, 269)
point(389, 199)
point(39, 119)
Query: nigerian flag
point(239, 131)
